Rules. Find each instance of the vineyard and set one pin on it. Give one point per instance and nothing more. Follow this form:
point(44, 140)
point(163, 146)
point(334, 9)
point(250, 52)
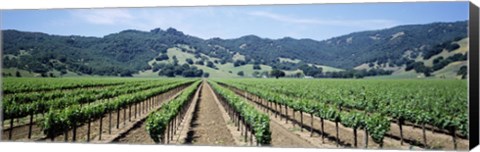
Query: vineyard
point(378, 107)
point(326, 113)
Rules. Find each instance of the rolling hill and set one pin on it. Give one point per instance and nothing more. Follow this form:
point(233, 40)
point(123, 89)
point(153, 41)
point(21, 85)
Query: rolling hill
point(140, 53)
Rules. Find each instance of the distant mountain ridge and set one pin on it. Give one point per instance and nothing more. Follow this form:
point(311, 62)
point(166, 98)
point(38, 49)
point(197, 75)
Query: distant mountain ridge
point(129, 51)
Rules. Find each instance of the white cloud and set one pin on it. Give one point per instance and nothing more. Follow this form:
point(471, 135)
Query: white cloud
point(104, 16)
point(369, 23)
point(207, 22)
point(136, 18)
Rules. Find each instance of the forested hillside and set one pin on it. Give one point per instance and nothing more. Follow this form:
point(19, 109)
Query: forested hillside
point(132, 52)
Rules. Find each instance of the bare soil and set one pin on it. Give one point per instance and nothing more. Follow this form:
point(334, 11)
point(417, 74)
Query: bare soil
point(21, 131)
point(180, 135)
point(208, 127)
point(282, 137)
point(434, 140)
point(137, 135)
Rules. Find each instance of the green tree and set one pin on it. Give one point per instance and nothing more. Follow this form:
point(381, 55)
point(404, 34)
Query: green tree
point(238, 63)
point(427, 71)
point(206, 74)
point(189, 61)
point(200, 62)
point(210, 64)
point(463, 71)
point(162, 57)
point(240, 73)
point(175, 60)
point(277, 73)
point(256, 74)
point(298, 74)
point(257, 67)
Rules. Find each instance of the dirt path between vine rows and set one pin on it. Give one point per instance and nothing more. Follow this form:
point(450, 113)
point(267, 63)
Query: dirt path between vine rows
point(207, 126)
point(137, 135)
point(282, 137)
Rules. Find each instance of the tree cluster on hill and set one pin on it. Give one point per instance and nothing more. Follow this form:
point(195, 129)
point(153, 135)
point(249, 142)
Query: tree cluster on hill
point(211, 65)
point(162, 57)
point(240, 73)
point(257, 74)
point(277, 73)
point(420, 67)
point(206, 74)
point(189, 61)
point(357, 73)
point(463, 71)
point(200, 62)
point(317, 72)
point(256, 67)
point(239, 63)
point(438, 63)
point(311, 70)
point(185, 70)
point(448, 45)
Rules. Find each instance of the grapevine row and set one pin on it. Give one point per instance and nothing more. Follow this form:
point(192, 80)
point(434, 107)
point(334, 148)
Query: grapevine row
point(162, 123)
point(374, 124)
point(257, 122)
point(60, 121)
point(19, 85)
point(409, 101)
point(24, 98)
point(377, 97)
point(15, 109)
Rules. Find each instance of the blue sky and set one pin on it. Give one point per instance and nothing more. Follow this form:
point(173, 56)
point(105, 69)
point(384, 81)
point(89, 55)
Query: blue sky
point(319, 22)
